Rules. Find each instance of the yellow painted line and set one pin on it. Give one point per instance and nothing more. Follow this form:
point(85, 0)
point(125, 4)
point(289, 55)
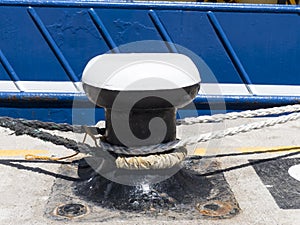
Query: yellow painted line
point(276, 149)
point(270, 149)
point(200, 151)
point(21, 152)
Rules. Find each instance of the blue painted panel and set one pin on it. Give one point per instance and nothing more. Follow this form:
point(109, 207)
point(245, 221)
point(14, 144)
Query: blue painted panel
point(56, 107)
point(194, 31)
point(66, 114)
point(3, 73)
point(75, 34)
point(55, 39)
point(267, 45)
point(58, 115)
point(235, 102)
point(129, 26)
point(25, 49)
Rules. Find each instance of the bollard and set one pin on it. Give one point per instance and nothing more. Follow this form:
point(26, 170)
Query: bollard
point(141, 93)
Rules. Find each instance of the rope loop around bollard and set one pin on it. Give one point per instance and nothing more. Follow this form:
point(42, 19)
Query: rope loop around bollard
point(153, 161)
point(164, 147)
point(32, 128)
point(140, 150)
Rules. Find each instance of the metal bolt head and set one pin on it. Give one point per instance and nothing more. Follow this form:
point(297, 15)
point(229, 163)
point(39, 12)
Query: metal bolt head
point(71, 210)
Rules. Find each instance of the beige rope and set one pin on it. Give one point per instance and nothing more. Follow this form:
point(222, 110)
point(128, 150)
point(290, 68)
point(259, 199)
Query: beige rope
point(48, 158)
point(157, 161)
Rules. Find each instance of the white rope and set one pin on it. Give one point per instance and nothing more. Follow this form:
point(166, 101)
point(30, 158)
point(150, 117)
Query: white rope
point(236, 130)
point(236, 115)
point(205, 137)
point(161, 161)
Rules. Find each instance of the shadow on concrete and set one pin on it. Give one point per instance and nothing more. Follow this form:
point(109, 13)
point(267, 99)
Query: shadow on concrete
point(15, 164)
point(250, 163)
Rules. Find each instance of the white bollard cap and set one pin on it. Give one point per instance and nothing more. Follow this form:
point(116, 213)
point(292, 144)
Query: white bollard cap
point(140, 72)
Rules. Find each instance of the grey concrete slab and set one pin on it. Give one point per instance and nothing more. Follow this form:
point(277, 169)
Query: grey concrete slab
point(25, 186)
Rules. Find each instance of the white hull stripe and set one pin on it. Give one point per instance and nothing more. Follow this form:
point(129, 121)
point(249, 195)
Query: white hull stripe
point(8, 86)
point(41, 86)
point(205, 88)
point(279, 90)
point(223, 89)
point(241, 90)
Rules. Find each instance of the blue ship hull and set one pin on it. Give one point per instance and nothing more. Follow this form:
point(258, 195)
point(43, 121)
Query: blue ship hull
point(248, 55)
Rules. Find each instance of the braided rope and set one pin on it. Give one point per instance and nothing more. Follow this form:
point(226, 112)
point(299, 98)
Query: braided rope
point(52, 126)
point(21, 126)
point(140, 150)
point(240, 129)
point(45, 125)
point(48, 158)
point(160, 161)
point(165, 160)
point(243, 114)
point(21, 129)
point(200, 138)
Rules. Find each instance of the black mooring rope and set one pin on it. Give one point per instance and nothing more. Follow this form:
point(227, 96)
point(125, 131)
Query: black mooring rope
point(46, 125)
point(31, 128)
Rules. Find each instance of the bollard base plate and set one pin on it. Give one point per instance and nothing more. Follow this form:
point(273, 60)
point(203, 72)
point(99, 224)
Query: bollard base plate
point(195, 192)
